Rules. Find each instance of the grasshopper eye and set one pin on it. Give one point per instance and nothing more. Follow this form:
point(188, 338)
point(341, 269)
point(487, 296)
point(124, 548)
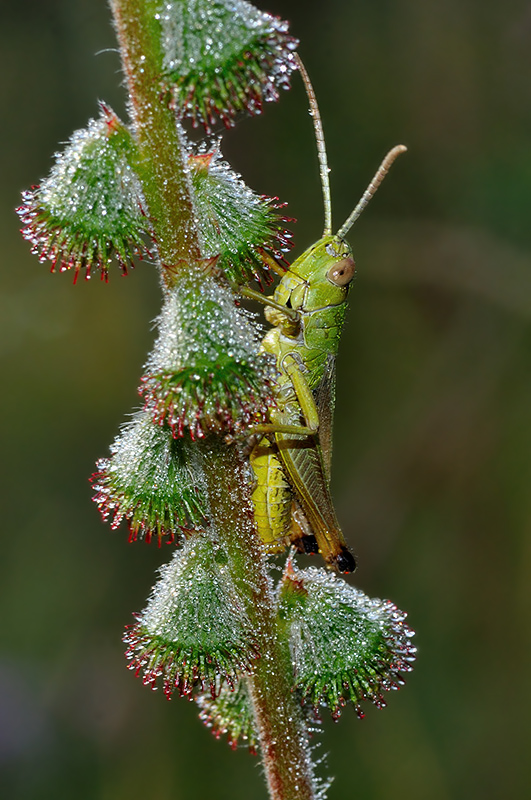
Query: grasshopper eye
point(342, 272)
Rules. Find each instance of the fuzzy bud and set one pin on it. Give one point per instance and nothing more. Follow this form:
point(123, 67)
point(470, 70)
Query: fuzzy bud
point(230, 713)
point(222, 57)
point(194, 630)
point(205, 373)
point(238, 226)
point(90, 208)
point(151, 480)
point(345, 646)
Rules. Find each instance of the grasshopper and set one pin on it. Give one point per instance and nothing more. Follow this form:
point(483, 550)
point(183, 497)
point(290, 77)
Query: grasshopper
point(292, 460)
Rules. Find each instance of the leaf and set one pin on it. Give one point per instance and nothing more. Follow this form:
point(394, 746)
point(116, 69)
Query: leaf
point(235, 224)
point(151, 480)
point(194, 629)
point(205, 373)
point(222, 57)
point(345, 646)
point(90, 209)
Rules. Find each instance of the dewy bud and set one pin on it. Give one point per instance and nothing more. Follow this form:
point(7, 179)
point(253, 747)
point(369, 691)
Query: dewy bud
point(345, 646)
point(223, 57)
point(90, 208)
point(151, 480)
point(205, 373)
point(230, 713)
point(234, 223)
point(194, 629)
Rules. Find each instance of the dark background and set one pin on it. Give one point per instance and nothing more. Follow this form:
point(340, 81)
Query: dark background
point(432, 459)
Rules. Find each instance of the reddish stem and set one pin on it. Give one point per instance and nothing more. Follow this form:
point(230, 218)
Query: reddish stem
point(162, 168)
point(282, 730)
point(162, 165)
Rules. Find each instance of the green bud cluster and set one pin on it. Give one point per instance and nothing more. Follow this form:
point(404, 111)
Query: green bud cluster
point(222, 57)
point(152, 481)
point(91, 208)
point(345, 646)
point(236, 226)
point(205, 373)
point(194, 629)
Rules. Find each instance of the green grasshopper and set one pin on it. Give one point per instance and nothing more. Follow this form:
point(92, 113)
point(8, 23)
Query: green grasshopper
point(291, 462)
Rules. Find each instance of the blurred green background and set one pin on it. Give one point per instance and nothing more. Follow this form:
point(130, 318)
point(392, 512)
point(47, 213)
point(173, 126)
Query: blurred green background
point(432, 461)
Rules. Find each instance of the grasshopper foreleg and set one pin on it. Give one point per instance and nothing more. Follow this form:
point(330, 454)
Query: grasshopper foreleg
point(252, 294)
point(305, 400)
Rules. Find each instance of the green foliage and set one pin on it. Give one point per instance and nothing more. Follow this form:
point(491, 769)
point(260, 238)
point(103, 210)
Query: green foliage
point(205, 373)
point(345, 646)
point(222, 57)
point(234, 223)
point(194, 630)
point(91, 207)
point(151, 480)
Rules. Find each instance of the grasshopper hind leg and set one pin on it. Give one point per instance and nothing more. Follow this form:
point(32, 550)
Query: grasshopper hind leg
point(304, 541)
point(281, 519)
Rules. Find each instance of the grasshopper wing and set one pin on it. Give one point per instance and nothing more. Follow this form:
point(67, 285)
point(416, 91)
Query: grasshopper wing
point(325, 400)
point(303, 459)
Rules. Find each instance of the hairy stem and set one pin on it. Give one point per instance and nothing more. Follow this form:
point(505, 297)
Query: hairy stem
point(282, 731)
point(162, 166)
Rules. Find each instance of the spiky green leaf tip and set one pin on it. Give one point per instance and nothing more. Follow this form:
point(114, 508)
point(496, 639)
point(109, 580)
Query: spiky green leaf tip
point(152, 481)
point(345, 646)
point(205, 373)
point(241, 228)
point(90, 209)
point(194, 630)
point(222, 57)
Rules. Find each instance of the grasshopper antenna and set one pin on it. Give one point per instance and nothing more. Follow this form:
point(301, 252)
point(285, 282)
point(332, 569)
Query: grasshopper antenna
point(321, 146)
point(381, 172)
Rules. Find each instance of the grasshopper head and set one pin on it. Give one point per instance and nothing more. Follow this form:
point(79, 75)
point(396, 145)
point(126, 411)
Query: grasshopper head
point(327, 270)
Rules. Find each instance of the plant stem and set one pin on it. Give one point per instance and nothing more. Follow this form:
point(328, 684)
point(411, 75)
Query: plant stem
point(282, 730)
point(162, 166)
